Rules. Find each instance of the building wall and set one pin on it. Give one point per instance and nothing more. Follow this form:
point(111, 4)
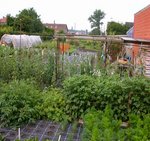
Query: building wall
point(142, 24)
point(141, 27)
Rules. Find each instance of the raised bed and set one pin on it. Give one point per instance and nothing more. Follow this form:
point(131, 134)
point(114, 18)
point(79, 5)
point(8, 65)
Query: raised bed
point(44, 130)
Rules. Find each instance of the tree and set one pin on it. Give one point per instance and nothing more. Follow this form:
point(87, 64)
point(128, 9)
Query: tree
point(10, 20)
point(95, 21)
point(114, 28)
point(28, 21)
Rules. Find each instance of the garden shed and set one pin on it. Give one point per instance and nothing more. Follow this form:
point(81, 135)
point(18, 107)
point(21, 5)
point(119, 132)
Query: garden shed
point(141, 57)
point(139, 42)
point(141, 26)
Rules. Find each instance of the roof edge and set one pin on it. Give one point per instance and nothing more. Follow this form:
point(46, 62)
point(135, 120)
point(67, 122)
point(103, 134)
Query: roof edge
point(148, 6)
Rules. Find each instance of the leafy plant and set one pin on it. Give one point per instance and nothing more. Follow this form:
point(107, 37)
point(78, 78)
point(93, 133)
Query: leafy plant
point(100, 126)
point(124, 95)
point(18, 101)
point(79, 93)
point(52, 105)
point(30, 63)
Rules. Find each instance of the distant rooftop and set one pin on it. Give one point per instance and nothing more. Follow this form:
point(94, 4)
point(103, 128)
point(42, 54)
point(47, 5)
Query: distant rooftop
point(57, 27)
point(3, 20)
point(130, 32)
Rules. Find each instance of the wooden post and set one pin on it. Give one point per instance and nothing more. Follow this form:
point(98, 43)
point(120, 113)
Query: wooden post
point(19, 134)
point(57, 59)
point(105, 51)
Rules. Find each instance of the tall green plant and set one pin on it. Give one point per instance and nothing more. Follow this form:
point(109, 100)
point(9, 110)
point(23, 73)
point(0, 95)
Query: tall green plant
point(101, 126)
point(80, 94)
point(18, 101)
point(52, 105)
point(27, 64)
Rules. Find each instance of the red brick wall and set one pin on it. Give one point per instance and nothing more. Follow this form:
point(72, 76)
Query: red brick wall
point(141, 27)
point(142, 24)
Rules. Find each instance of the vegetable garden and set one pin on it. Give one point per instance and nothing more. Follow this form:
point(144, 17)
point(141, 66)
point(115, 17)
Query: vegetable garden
point(69, 97)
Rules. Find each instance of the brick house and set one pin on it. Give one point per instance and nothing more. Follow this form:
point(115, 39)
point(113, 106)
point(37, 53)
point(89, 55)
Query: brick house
point(3, 21)
point(142, 24)
point(57, 27)
point(140, 48)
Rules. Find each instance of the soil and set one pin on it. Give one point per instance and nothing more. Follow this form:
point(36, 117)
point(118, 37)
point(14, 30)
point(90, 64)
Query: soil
point(43, 130)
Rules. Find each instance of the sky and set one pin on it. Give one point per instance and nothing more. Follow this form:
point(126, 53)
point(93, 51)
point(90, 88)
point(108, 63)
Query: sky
point(75, 13)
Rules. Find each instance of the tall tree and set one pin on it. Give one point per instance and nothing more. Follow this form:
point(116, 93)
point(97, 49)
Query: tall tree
point(10, 20)
point(95, 21)
point(115, 28)
point(28, 21)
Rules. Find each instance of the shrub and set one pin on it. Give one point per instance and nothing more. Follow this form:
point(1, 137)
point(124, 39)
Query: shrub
point(126, 96)
point(52, 105)
point(80, 94)
point(18, 101)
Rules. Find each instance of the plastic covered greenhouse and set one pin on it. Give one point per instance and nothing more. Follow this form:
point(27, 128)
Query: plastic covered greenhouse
point(20, 41)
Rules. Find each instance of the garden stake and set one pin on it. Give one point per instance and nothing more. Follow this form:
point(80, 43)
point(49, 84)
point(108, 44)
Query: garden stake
point(19, 133)
point(59, 138)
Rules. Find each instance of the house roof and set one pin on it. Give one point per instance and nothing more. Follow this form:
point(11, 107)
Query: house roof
point(3, 20)
point(130, 32)
point(57, 27)
point(148, 6)
point(136, 41)
point(78, 32)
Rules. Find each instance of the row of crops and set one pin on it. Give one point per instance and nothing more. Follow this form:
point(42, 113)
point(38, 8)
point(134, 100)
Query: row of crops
point(45, 66)
point(40, 84)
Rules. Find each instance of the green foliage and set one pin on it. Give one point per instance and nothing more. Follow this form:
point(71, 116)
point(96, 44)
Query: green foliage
point(114, 28)
point(95, 31)
point(5, 30)
point(37, 64)
point(91, 45)
point(47, 34)
point(10, 20)
point(80, 94)
point(101, 126)
point(1, 138)
point(95, 20)
point(18, 101)
point(125, 96)
point(61, 32)
point(138, 91)
point(47, 44)
point(52, 107)
point(28, 21)
point(139, 128)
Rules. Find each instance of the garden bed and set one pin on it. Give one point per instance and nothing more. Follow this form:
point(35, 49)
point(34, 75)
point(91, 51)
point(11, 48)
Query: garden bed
point(43, 130)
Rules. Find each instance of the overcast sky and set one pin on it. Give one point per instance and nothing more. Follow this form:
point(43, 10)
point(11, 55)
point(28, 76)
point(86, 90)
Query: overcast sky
point(75, 13)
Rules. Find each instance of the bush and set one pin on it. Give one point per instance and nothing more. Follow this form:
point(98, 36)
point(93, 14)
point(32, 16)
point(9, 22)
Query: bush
point(5, 30)
point(18, 101)
point(126, 96)
point(52, 106)
point(80, 94)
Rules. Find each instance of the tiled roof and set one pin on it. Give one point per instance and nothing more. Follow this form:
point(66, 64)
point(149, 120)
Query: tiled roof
point(57, 27)
point(3, 20)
